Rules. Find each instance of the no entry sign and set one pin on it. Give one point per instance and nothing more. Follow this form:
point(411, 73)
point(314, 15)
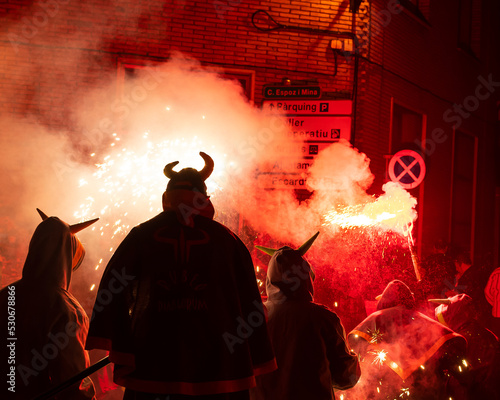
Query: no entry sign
point(407, 167)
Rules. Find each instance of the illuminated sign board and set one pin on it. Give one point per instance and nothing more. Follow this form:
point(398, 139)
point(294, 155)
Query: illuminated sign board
point(316, 124)
point(289, 92)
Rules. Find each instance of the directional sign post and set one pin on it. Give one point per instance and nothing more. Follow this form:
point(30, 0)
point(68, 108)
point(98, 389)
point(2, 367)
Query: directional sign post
point(316, 124)
point(407, 167)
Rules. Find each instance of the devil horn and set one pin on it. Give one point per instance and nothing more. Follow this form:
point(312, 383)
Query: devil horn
point(168, 171)
point(42, 214)
point(209, 166)
point(267, 250)
point(440, 301)
point(303, 249)
point(82, 225)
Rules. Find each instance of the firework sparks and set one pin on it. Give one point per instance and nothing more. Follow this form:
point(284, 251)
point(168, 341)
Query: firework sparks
point(376, 336)
point(392, 211)
point(128, 182)
point(380, 357)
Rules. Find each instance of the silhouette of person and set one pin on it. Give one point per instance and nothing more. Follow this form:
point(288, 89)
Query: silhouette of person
point(404, 352)
point(483, 352)
point(308, 339)
point(181, 314)
point(492, 294)
point(47, 325)
point(439, 271)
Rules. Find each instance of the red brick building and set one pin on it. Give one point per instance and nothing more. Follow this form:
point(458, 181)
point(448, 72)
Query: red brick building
point(421, 75)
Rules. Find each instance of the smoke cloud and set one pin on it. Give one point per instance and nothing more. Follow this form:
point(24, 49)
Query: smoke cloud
point(98, 150)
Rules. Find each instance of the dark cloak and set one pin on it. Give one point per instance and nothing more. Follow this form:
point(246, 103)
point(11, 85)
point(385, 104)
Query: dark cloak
point(419, 354)
point(308, 339)
point(50, 324)
point(178, 306)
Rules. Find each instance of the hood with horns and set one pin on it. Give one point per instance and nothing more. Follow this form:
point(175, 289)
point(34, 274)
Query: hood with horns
point(289, 275)
point(189, 178)
point(54, 252)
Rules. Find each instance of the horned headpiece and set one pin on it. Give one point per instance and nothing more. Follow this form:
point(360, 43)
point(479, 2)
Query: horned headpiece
point(189, 178)
point(75, 228)
point(77, 247)
point(302, 249)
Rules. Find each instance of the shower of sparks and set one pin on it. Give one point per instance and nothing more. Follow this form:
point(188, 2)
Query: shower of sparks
point(380, 357)
point(405, 392)
point(393, 211)
point(376, 336)
point(128, 183)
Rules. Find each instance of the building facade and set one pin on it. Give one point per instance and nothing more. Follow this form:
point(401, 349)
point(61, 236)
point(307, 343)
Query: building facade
point(419, 75)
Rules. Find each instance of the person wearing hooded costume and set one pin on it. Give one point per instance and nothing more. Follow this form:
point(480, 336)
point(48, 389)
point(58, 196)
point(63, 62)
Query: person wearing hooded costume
point(492, 295)
point(483, 351)
point(47, 326)
point(184, 318)
point(309, 340)
point(404, 353)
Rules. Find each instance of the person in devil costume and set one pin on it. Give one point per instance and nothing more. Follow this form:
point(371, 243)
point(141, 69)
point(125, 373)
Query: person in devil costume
point(459, 313)
point(184, 318)
point(45, 326)
point(309, 340)
point(405, 354)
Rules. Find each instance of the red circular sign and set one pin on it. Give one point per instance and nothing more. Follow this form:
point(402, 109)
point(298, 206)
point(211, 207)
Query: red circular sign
point(407, 167)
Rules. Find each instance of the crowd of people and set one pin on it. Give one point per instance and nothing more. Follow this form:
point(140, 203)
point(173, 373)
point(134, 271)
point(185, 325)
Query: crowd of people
point(180, 316)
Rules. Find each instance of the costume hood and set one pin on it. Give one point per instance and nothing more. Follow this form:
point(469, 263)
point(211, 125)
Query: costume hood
point(289, 275)
point(455, 311)
point(395, 294)
point(54, 252)
point(408, 338)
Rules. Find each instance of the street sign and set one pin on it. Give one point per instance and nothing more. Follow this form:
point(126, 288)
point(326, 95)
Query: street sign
point(315, 125)
point(323, 128)
point(309, 107)
point(289, 92)
point(407, 167)
point(282, 181)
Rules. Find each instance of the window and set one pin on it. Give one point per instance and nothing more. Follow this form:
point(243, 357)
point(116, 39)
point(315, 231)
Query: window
point(469, 15)
point(463, 190)
point(245, 78)
point(406, 130)
point(130, 96)
point(465, 24)
point(419, 8)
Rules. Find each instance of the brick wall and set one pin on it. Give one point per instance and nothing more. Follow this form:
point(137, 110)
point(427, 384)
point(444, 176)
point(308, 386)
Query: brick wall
point(64, 44)
point(52, 51)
